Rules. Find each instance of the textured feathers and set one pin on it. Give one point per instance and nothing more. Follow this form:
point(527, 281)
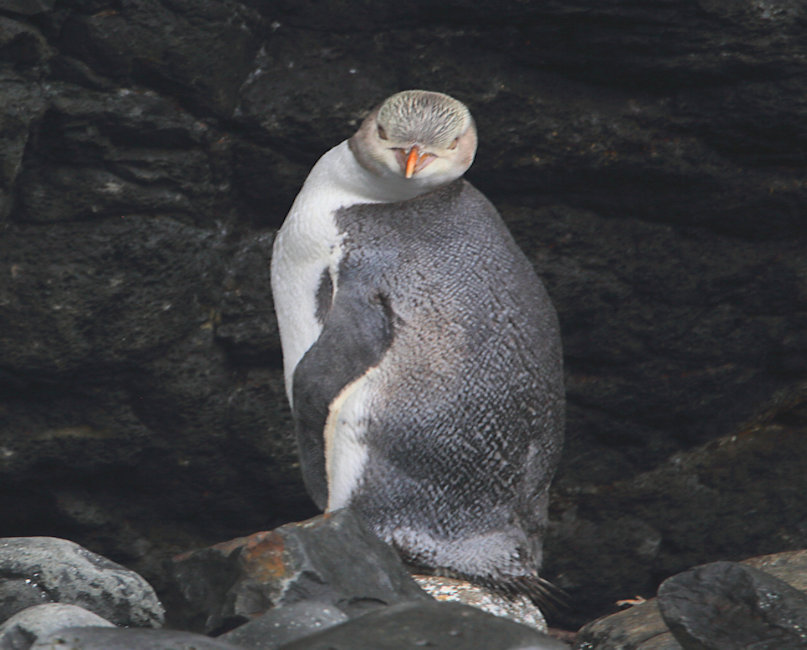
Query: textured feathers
point(467, 400)
point(422, 352)
point(426, 117)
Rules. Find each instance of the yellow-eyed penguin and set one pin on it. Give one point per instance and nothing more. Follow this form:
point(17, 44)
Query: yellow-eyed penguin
point(421, 352)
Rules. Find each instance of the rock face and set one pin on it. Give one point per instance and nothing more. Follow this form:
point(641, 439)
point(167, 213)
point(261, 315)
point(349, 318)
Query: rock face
point(649, 159)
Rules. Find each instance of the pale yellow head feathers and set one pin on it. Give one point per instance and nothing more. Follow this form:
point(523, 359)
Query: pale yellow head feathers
point(421, 117)
point(418, 138)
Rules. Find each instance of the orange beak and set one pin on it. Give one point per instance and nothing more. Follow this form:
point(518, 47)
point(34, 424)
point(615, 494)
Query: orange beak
point(411, 161)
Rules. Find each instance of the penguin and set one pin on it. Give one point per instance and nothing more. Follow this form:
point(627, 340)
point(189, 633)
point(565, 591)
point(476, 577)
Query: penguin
point(421, 352)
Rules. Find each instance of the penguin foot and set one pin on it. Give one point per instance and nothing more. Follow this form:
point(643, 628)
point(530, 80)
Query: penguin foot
point(542, 593)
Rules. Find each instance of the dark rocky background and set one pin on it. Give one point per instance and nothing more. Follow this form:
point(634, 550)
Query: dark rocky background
point(651, 159)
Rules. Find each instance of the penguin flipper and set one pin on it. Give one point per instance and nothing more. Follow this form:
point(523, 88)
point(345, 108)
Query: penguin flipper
point(357, 331)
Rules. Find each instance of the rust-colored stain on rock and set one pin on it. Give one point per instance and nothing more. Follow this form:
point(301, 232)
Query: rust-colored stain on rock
point(263, 556)
point(226, 548)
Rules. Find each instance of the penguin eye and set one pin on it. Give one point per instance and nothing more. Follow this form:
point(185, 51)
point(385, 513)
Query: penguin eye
point(453, 145)
point(381, 132)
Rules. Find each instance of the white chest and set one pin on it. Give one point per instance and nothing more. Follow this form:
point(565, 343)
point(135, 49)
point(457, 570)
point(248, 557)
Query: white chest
point(309, 245)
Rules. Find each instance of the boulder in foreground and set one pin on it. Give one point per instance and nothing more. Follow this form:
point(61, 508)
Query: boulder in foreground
point(332, 558)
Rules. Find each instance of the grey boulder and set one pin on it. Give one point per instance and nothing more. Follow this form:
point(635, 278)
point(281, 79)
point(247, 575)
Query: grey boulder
point(103, 638)
point(332, 559)
point(430, 624)
point(38, 570)
point(25, 627)
point(731, 605)
point(285, 624)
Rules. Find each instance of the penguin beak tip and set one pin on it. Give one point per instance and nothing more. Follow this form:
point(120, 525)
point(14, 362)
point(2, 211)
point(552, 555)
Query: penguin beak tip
point(411, 161)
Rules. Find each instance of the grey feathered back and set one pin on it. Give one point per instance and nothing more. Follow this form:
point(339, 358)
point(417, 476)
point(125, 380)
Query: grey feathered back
point(466, 426)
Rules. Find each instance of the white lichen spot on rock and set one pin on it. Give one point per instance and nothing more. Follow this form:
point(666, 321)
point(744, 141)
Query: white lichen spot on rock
point(112, 187)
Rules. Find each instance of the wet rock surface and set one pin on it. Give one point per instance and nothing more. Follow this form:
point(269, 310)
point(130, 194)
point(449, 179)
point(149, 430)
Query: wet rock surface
point(648, 158)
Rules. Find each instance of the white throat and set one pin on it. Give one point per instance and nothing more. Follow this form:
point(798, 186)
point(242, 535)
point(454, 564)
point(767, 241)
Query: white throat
point(338, 170)
point(309, 243)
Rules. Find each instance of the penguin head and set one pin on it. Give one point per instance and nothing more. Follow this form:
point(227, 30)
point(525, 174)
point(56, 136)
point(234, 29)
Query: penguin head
point(423, 139)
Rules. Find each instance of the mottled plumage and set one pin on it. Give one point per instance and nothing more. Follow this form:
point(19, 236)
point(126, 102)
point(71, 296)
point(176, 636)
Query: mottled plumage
point(423, 362)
